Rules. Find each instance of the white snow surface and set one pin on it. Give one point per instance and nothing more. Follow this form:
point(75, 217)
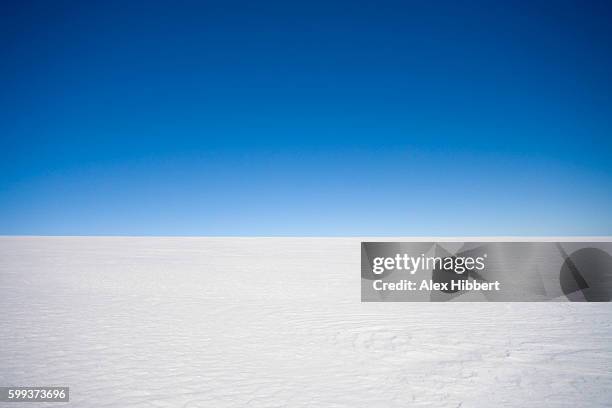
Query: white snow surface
point(275, 322)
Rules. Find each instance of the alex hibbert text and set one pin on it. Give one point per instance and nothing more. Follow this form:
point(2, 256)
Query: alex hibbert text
point(412, 264)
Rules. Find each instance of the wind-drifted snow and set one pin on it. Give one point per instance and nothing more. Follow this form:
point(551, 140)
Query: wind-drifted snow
point(275, 322)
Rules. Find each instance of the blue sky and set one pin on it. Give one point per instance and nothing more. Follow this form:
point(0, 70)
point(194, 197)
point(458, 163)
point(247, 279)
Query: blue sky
point(313, 118)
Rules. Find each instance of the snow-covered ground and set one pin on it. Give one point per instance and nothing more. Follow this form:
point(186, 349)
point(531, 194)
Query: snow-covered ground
point(275, 322)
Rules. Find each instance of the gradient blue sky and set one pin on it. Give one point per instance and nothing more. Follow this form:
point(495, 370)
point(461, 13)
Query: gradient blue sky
point(311, 118)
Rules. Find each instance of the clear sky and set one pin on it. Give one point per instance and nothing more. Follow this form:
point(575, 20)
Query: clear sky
point(306, 118)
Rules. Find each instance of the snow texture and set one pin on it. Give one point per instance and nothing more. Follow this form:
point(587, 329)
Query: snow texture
point(275, 322)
